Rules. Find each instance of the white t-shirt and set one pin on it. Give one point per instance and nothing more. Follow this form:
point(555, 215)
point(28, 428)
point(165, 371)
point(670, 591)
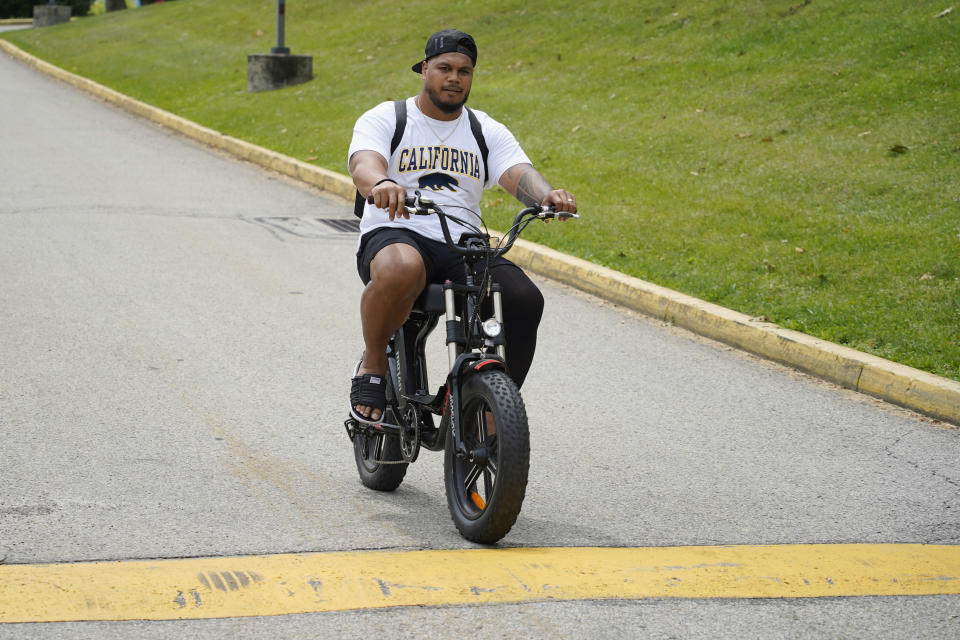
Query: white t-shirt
point(439, 158)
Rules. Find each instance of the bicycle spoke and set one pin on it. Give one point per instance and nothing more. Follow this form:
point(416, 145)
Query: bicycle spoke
point(471, 477)
point(481, 424)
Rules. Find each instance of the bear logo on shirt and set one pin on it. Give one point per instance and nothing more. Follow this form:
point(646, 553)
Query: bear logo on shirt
point(438, 181)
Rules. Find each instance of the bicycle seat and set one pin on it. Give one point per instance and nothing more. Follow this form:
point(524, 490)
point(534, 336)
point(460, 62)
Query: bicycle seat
point(431, 299)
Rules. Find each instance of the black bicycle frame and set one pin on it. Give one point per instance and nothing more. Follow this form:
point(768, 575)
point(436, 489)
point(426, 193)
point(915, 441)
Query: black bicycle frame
point(408, 366)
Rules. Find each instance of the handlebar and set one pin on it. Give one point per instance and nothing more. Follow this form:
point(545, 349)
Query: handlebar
point(419, 205)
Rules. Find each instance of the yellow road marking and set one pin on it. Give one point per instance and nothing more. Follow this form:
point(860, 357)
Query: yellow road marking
point(314, 582)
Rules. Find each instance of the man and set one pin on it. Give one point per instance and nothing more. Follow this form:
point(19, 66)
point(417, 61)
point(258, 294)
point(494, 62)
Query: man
point(439, 154)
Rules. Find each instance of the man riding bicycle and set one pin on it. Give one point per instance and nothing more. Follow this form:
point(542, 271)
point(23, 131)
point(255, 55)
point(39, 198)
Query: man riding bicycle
point(433, 143)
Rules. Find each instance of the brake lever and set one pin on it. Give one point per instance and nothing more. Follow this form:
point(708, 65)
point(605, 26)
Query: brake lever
point(549, 213)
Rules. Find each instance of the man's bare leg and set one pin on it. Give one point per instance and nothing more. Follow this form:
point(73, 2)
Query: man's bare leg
point(397, 276)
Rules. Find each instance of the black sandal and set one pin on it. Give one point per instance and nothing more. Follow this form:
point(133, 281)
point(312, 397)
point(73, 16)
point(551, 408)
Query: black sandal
point(369, 390)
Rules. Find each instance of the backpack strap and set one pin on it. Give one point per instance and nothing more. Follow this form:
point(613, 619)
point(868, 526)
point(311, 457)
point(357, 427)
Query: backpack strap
point(481, 142)
point(358, 205)
point(400, 108)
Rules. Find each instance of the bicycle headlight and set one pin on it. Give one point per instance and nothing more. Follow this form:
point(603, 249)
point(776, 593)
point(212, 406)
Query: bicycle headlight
point(492, 328)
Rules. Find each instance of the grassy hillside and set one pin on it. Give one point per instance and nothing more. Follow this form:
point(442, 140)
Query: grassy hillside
point(793, 159)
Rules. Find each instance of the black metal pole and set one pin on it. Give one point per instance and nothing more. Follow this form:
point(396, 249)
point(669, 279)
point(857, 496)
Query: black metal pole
point(281, 16)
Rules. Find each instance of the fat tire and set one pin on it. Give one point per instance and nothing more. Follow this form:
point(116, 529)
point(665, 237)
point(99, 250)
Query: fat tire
point(498, 393)
point(381, 477)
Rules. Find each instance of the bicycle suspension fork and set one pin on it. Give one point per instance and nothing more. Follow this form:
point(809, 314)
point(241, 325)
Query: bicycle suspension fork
point(457, 342)
point(453, 346)
point(459, 349)
point(498, 315)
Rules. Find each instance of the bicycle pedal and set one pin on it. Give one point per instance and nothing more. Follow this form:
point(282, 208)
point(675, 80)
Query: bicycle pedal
point(351, 427)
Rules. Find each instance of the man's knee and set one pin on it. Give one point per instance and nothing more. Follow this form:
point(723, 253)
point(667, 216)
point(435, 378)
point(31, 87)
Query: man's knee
point(400, 268)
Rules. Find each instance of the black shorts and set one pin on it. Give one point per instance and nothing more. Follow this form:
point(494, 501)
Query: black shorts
point(441, 262)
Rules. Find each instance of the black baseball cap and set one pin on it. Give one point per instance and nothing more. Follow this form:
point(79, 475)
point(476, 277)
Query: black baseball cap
point(448, 41)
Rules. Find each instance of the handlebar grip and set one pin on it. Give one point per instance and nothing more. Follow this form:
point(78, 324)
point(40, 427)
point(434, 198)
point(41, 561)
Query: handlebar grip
point(410, 204)
point(409, 201)
point(550, 213)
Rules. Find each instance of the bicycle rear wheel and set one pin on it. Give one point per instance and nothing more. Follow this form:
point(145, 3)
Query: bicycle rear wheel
point(485, 494)
point(378, 454)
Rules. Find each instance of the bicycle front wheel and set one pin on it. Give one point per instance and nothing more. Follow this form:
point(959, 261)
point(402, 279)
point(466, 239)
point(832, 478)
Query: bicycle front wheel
point(485, 493)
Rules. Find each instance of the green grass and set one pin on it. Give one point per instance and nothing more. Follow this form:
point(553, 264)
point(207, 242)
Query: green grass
point(736, 151)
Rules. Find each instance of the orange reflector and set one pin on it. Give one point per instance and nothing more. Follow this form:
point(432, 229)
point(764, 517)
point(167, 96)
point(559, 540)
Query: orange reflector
point(477, 500)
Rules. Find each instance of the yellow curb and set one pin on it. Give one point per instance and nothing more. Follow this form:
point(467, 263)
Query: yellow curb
point(896, 383)
point(899, 384)
point(17, 21)
point(194, 588)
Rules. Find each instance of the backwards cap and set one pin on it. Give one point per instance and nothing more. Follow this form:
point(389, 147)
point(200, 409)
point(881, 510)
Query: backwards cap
point(448, 41)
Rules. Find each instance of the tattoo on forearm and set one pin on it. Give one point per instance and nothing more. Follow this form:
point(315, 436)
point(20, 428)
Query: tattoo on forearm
point(532, 187)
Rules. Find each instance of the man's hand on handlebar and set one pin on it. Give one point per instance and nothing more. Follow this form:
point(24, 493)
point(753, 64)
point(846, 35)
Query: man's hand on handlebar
point(390, 196)
point(562, 201)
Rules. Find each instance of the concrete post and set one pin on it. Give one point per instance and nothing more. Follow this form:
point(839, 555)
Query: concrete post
point(45, 15)
point(278, 69)
point(267, 71)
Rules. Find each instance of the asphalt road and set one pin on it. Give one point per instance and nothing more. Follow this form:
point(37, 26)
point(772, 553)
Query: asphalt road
point(177, 331)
